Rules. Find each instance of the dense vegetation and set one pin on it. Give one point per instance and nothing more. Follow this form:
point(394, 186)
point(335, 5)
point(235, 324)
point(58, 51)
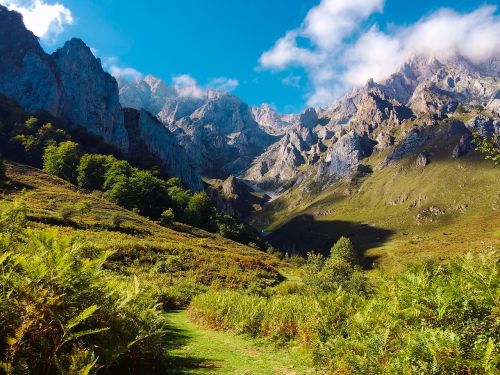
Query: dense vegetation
point(430, 319)
point(53, 146)
point(61, 312)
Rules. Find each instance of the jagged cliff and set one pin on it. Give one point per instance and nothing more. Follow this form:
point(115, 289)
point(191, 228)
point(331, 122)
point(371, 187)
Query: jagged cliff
point(72, 84)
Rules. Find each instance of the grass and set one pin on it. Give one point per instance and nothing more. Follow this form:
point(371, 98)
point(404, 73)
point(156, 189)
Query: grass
point(138, 243)
point(197, 350)
point(399, 214)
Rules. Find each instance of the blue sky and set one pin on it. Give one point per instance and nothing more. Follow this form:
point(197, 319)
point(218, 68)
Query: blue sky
point(226, 38)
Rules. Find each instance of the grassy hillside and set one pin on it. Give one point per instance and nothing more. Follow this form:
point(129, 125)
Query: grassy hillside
point(398, 214)
point(138, 243)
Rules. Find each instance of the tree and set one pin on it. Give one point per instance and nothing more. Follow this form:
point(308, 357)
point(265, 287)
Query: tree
point(62, 160)
point(490, 148)
point(199, 209)
point(92, 171)
point(117, 170)
point(167, 217)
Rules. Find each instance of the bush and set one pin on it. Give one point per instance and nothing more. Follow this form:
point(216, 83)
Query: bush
point(62, 160)
point(167, 217)
point(92, 171)
point(430, 319)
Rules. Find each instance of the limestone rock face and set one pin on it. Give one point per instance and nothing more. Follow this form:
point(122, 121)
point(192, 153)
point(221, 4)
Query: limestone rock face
point(70, 83)
point(89, 96)
point(484, 125)
point(219, 132)
point(346, 153)
point(147, 133)
point(26, 73)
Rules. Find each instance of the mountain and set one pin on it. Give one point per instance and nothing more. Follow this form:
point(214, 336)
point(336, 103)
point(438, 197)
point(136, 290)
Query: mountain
point(390, 165)
point(335, 140)
point(216, 128)
point(71, 84)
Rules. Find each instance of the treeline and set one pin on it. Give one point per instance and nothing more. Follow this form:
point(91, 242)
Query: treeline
point(92, 165)
point(430, 319)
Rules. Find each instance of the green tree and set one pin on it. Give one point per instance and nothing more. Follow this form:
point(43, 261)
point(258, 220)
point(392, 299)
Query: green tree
point(92, 171)
point(199, 209)
point(490, 148)
point(167, 217)
point(116, 172)
point(62, 160)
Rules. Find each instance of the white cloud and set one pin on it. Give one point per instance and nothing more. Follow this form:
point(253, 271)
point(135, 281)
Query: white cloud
point(113, 66)
point(224, 84)
point(45, 20)
point(339, 54)
point(187, 86)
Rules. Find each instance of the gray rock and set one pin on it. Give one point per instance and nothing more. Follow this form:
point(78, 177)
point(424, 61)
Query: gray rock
point(483, 125)
point(423, 160)
point(89, 96)
point(147, 133)
point(346, 154)
point(463, 147)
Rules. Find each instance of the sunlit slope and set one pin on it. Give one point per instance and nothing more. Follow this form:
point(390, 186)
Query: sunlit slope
point(398, 214)
point(138, 243)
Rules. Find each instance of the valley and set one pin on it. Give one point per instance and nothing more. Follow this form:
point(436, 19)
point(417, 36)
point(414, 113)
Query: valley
point(150, 226)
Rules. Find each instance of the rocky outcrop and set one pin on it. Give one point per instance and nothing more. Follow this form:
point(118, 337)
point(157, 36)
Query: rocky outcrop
point(150, 94)
point(423, 160)
point(484, 125)
point(463, 147)
point(233, 196)
point(269, 120)
point(219, 132)
point(346, 154)
point(89, 96)
point(148, 134)
point(26, 71)
point(70, 83)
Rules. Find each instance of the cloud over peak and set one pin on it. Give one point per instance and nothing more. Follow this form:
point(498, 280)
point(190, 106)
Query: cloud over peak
point(345, 48)
point(45, 20)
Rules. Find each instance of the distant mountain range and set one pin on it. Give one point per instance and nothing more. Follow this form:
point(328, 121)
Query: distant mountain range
point(214, 135)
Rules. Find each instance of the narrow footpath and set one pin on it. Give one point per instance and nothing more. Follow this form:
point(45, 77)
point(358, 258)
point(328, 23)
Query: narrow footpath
point(197, 350)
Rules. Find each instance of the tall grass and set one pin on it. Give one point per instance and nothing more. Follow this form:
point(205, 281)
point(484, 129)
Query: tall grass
point(430, 319)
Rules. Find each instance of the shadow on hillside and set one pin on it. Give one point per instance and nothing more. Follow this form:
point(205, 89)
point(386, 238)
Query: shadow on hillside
point(73, 223)
point(177, 365)
point(304, 234)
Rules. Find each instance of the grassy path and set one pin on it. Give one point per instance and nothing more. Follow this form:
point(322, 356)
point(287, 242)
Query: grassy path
point(196, 350)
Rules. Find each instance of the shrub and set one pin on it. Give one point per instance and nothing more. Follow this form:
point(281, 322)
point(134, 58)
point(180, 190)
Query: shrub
point(62, 160)
point(430, 319)
point(61, 313)
point(92, 171)
point(167, 217)
point(67, 211)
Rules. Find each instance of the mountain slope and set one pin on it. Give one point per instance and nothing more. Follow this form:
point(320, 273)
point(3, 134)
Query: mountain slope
point(137, 242)
point(399, 213)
